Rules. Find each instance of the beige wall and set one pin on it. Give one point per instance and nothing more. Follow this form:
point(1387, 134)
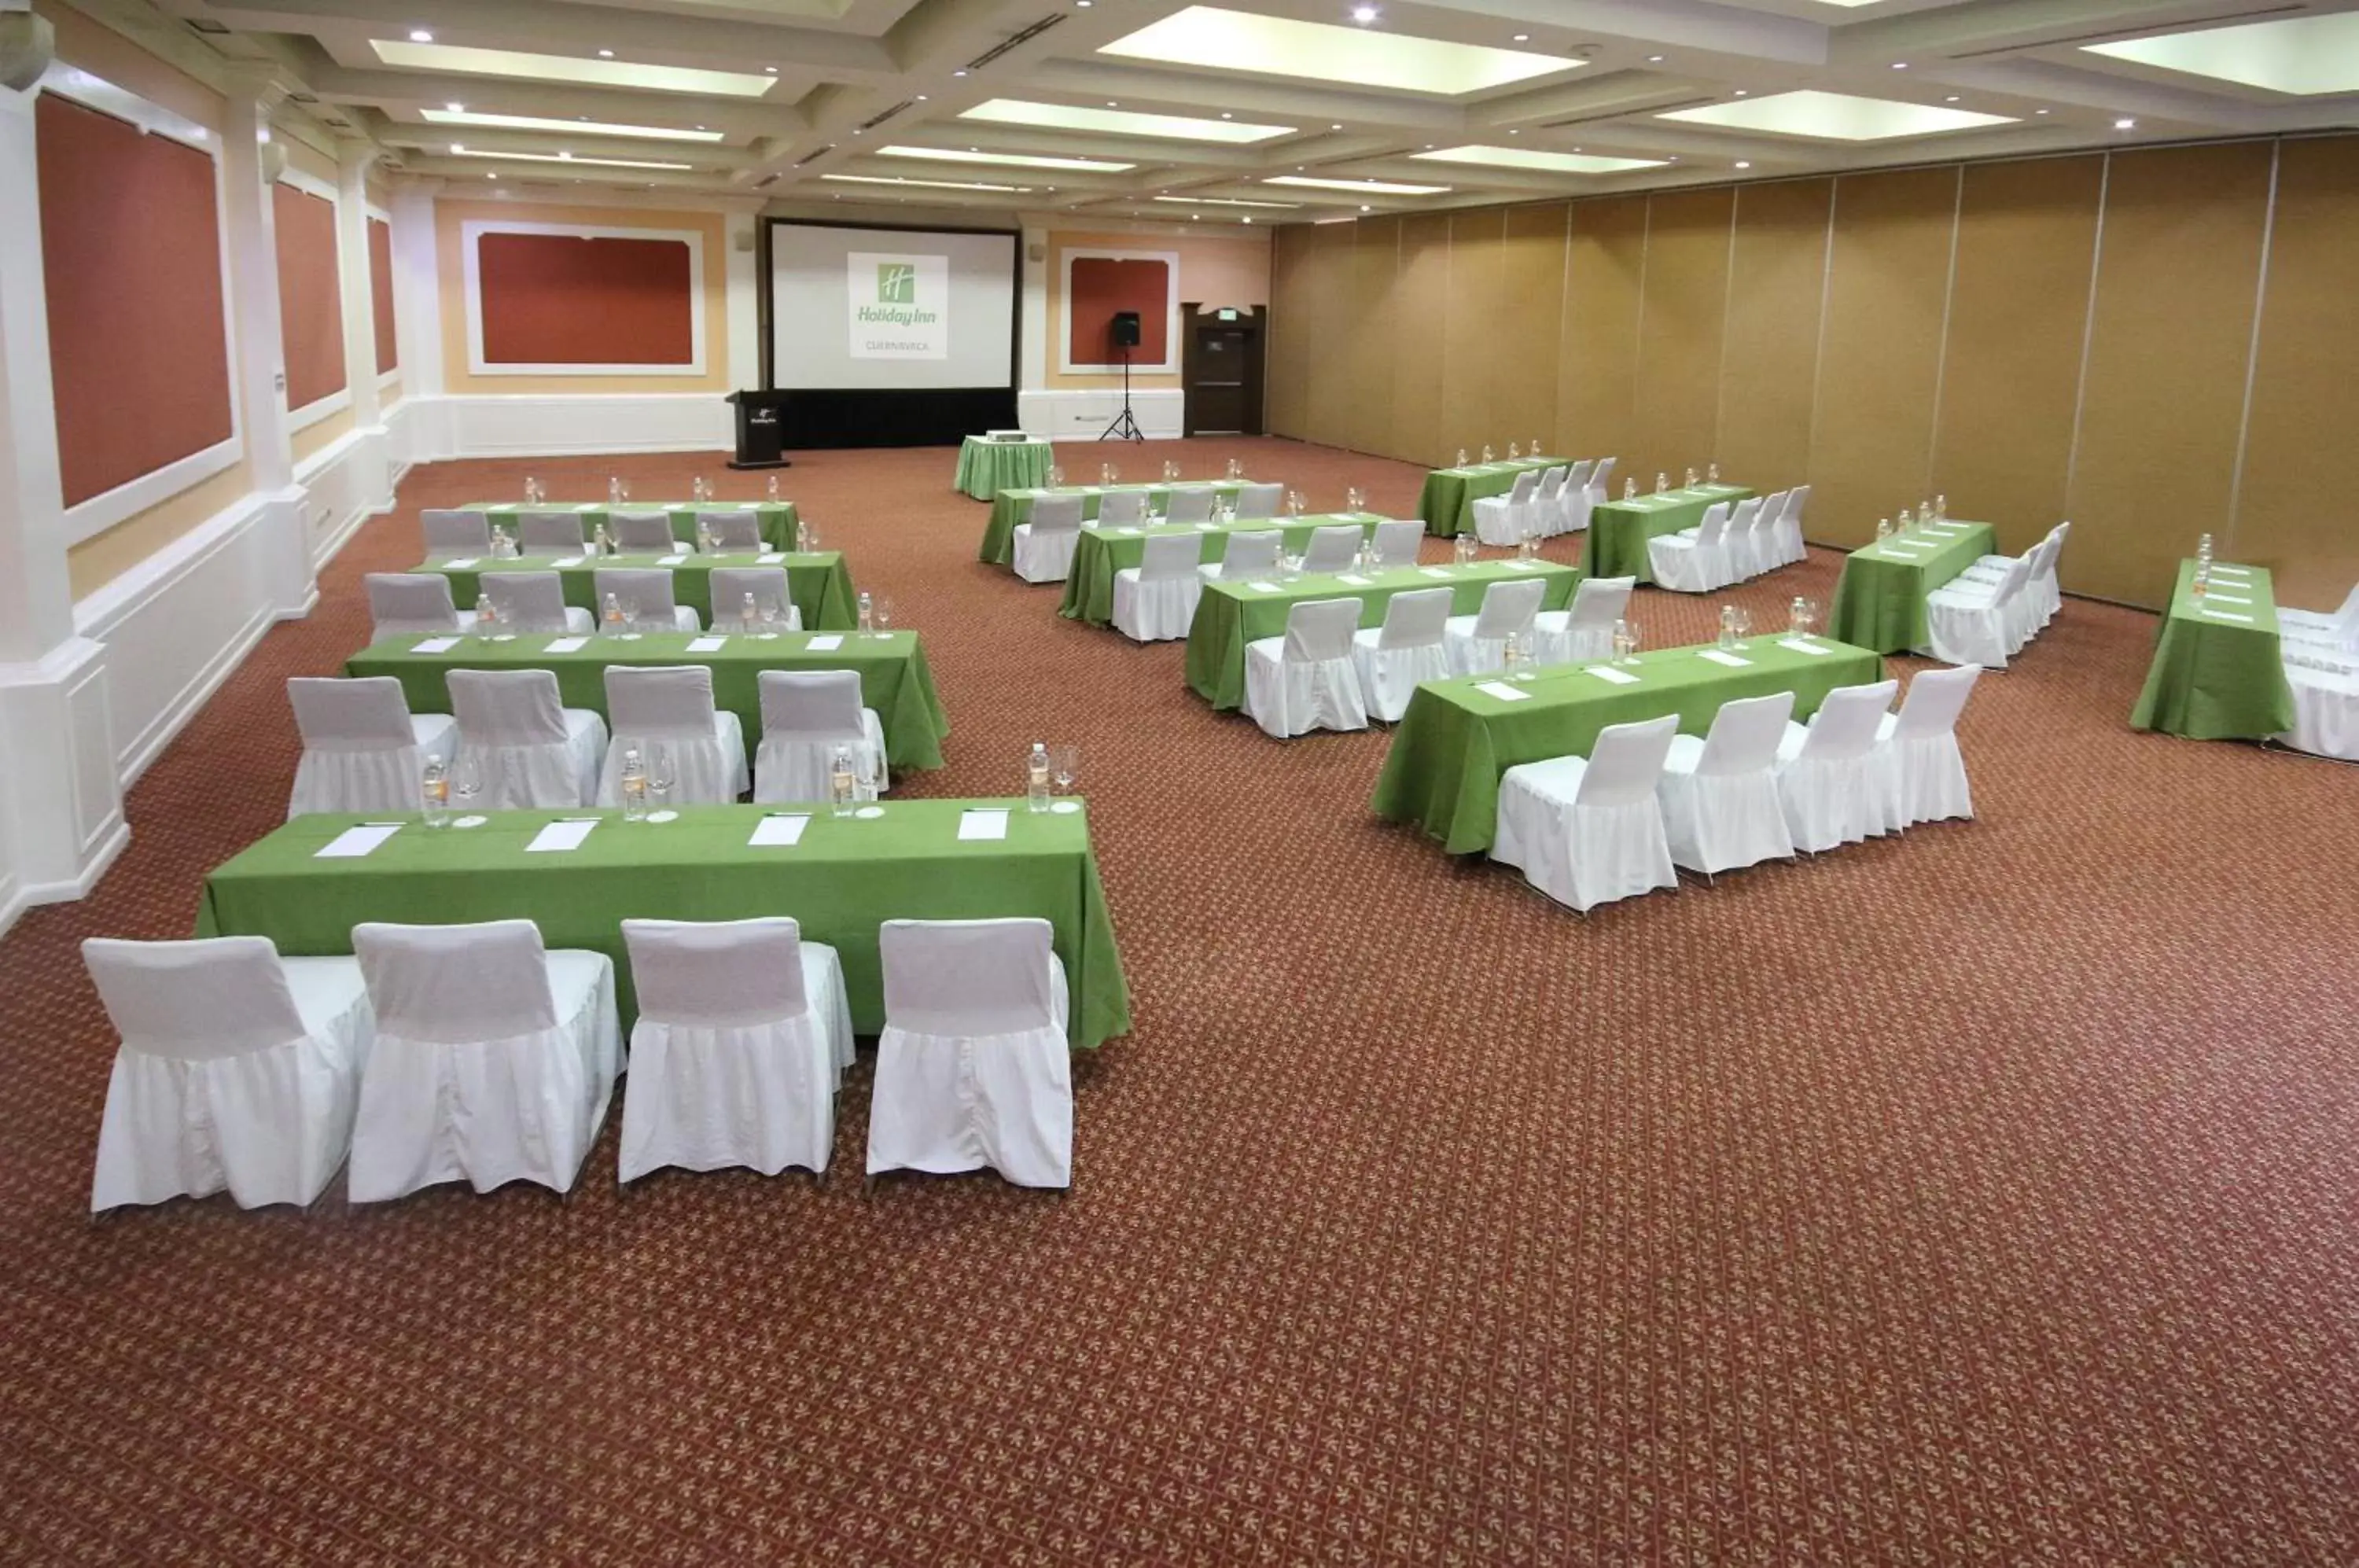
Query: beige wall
point(1211, 272)
point(2059, 337)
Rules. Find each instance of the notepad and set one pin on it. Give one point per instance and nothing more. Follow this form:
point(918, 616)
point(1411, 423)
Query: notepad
point(983, 824)
point(825, 644)
point(775, 831)
point(460, 564)
point(586, 507)
point(1433, 572)
point(1263, 587)
point(1523, 566)
point(1501, 690)
point(1126, 530)
point(1206, 528)
point(769, 558)
point(670, 559)
point(572, 560)
point(352, 842)
point(1606, 672)
point(560, 836)
point(1799, 647)
point(707, 644)
point(1730, 660)
point(567, 644)
point(436, 644)
point(1354, 578)
point(2229, 616)
point(2232, 571)
point(2217, 597)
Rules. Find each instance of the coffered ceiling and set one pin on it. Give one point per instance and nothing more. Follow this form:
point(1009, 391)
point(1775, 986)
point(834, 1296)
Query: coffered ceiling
point(1267, 111)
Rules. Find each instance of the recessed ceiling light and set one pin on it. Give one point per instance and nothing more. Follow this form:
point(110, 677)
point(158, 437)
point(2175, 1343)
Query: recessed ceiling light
point(456, 108)
point(1244, 220)
point(1129, 123)
point(774, 69)
point(1533, 158)
point(1363, 14)
point(2125, 125)
point(605, 54)
point(1653, 59)
point(1951, 98)
point(578, 69)
point(1014, 159)
point(1743, 92)
point(534, 123)
point(1209, 37)
point(2039, 111)
point(421, 35)
point(1521, 39)
point(960, 72)
point(1899, 65)
point(1835, 117)
point(1743, 165)
point(1336, 127)
point(1226, 115)
point(1369, 187)
point(1365, 208)
point(459, 148)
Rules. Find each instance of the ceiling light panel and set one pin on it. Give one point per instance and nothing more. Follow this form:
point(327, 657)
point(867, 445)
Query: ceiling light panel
point(563, 158)
point(925, 184)
point(2302, 56)
point(584, 127)
point(1222, 40)
point(1225, 201)
point(1836, 117)
point(1358, 187)
point(1548, 162)
point(1120, 122)
point(521, 65)
point(1017, 159)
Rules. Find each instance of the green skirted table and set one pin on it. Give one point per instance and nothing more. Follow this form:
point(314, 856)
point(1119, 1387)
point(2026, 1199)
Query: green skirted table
point(1458, 740)
point(1013, 507)
point(817, 581)
point(1880, 599)
point(1102, 552)
point(985, 467)
point(893, 678)
point(1231, 615)
point(781, 527)
point(1447, 502)
point(2218, 673)
point(841, 882)
point(1618, 531)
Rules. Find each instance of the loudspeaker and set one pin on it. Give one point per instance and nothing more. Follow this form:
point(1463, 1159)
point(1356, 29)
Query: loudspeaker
point(1125, 328)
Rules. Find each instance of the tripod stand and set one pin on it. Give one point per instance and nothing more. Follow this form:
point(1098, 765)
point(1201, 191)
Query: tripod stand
point(1126, 424)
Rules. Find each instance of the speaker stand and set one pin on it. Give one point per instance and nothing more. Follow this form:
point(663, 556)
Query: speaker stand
point(1126, 424)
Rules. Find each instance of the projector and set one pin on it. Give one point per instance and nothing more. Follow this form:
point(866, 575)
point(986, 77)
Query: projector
point(1005, 436)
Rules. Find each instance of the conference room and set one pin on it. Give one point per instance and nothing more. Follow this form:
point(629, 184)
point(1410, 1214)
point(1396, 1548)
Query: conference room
point(1124, 781)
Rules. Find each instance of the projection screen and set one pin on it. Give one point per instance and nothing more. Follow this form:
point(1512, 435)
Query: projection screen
point(891, 309)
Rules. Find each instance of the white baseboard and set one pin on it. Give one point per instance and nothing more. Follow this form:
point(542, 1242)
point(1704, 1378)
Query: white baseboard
point(452, 426)
point(1083, 415)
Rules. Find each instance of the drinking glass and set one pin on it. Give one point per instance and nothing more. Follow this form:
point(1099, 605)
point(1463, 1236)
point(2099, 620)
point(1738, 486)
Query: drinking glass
point(466, 782)
point(1883, 529)
point(660, 776)
point(1690, 481)
point(1535, 448)
point(1107, 473)
point(1801, 615)
point(630, 606)
point(881, 612)
point(1064, 768)
point(1742, 624)
point(1662, 482)
point(531, 490)
point(625, 486)
point(1056, 477)
point(808, 540)
point(1294, 502)
point(1356, 500)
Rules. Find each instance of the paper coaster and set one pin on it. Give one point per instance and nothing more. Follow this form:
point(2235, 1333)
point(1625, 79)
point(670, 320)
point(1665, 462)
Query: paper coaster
point(869, 811)
point(1066, 808)
point(663, 816)
point(469, 821)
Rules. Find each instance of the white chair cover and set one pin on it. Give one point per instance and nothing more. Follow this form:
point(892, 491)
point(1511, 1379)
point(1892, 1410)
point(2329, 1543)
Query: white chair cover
point(2325, 682)
point(1833, 787)
point(1248, 555)
point(2337, 628)
point(1791, 544)
point(1333, 549)
point(1255, 501)
point(1972, 623)
point(1588, 833)
point(1694, 560)
point(734, 530)
point(1042, 548)
point(1410, 647)
point(530, 750)
point(806, 714)
point(642, 533)
point(1306, 681)
point(455, 533)
point(494, 1061)
point(1597, 478)
point(1925, 772)
point(972, 1069)
point(672, 706)
point(1737, 544)
point(769, 584)
point(1156, 600)
point(1397, 541)
point(237, 1070)
point(549, 533)
point(1572, 502)
point(649, 588)
point(1478, 643)
point(1502, 519)
point(1546, 518)
point(364, 750)
point(403, 603)
point(2048, 589)
point(1586, 631)
point(2027, 614)
point(743, 1036)
point(1119, 508)
point(1719, 794)
point(1192, 505)
point(532, 602)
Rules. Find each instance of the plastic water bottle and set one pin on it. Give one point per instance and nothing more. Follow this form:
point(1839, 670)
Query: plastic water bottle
point(842, 786)
point(1941, 508)
point(614, 489)
point(1486, 455)
point(1883, 529)
point(867, 612)
point(1514, 453)
point(1728, 625)
point(1036, 779)
point(703, 533)
point(634, 785)
point(771, 490)
point(611, 611)
point(1711, 473)
point(1629, 487)
point(1690, 484)
point(434, 792)
point(486, 619)
point(1662, 482)
point(1461, 458)
point(1904, 524)
point(602, 542)
point(1462, 550)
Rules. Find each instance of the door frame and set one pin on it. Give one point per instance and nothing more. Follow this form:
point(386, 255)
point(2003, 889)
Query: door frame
point(1255, 321)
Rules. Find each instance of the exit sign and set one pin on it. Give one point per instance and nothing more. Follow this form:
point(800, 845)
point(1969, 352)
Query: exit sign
point(1228, 315)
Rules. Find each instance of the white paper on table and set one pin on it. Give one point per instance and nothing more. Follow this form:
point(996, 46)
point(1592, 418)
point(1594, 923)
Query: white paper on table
point(1206, 528)
point(2219, 598)
point(460, 564)
point(707, 644)
point(670, 559)
point(1618, 677)
point(773, 832)
point(1501, 690)
point(2232, 571)
point(2228, 616)
point(769, 558)
point(584, 507)
point(1799, 647)
point(562, 836)
point(436, 644)
point(1126, 530)
point(572, 560)
point(567, 644)
point(1730, 660)
point(1523, 566)
point(1433, 572)
point(353, 843)
point(983, 824)
point(1263, 587)
point(826, 644)
point(1354, 578)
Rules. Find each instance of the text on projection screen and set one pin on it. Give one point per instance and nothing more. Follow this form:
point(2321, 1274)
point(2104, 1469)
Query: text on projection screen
point(891, 309)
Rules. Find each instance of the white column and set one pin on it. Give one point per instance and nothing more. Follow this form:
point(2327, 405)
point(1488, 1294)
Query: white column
point(418, 317)
point(60, 806)
point(357, 276)
point(250, 165)
point(1036, 406)
point(743, 360)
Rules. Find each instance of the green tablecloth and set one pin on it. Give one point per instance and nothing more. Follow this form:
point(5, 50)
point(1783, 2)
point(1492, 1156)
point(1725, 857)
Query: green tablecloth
point(1231, 615)
point(841, 882)
point(1447, 502)
point(781, 527)
point(987, 467)
point(2215, 677)
point(1618, 531)
point(893, 678)
point(1013, 507)
point(1102, 552)
point(819, 583)
point(1456, 743)
point(1880, 600)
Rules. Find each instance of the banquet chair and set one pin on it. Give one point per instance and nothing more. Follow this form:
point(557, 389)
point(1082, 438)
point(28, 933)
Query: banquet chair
point(1305, 680)
point(1504, 520)
point(405, 603)
point(1832, 786)
point(771, 591)
point(1546, 518)
point(1719, 794)
point(1255, 501)
point(1588, 831)
point(1120, 508)
point(743, 1036)
point(1791, 546)
point(1246, 556)
point(1967, 622)
point(1192, 505)
point(530, 602)
point(1769, 531)
point(364, 750)
point(732, 532)
point(1478, 643)
point(642, 533)
point(494, 1059)
point(1694, 560)
point(1917, 747)
point(806, 714)
point(1397, 541)
point(237, 1069)
point(1598, 493)
point(671, 706)
point(1156, 600)
point(1585, 630)
point(972, 1069)
point(549, 533)
point(648, 590)
point(455, 533)
point(1736, 541)
point(1043, 544)
point(1574, 500)
point(2324, 680)
point(528, 749)
point(1408, 647)
point(1333, 549)
point(2338, 628)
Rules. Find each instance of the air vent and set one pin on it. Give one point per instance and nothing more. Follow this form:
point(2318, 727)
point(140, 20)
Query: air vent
point(301, 98)
point(882, 115)
point(817, 153)
point(1017, 41)
point(208, 26)
point(766, 183)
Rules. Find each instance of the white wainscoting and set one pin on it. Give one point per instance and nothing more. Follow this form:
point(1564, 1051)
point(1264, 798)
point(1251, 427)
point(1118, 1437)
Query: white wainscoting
point(453, 427)
point(1083, 415)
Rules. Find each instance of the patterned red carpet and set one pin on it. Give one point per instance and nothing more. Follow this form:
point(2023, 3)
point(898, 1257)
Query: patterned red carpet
point(1990, 1195)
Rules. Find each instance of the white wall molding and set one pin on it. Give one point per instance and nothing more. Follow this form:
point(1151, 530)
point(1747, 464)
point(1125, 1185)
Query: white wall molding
point(1082, 413)
point(319, 408)
point(559, 425)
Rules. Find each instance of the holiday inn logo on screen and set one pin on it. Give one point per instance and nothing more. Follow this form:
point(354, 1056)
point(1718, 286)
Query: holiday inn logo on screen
point(899, 289)
point(907, 317)
point(896, 283)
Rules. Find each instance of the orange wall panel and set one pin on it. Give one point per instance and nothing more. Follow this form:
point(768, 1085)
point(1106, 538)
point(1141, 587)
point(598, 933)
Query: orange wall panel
point(388, 341)
point(310, 295)
point(1104, 285)
point(575, 299)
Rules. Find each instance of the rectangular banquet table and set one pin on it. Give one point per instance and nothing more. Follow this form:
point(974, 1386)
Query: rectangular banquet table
point(1231, 615)
point(781, 527)
point(2218, 673)
point(1447, 502)
point(1102, 552)
point(893, 678)
point(1880, 599)
point(817, 581)
point(1456, 741)
point(841, 883)
point(1618, 531)
point(987, 467)
point(1010, 507)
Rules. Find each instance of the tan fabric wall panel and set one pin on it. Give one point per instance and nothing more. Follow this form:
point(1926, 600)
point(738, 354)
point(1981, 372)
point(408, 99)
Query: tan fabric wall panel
point(1681, 330)
point(1531, 296)
point(1879, 365)
point(1598, 358)
point(2027, 238)
point(1328, 310)
point(1371, 337)
point(1778, 281)
point(2164, 396)
point(1474, 355)
point(2294, 511)
point(1288, 368)
point(1420, 297)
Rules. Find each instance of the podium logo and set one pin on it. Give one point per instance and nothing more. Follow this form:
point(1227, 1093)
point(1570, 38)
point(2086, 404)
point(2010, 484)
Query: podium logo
point(896, 283)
